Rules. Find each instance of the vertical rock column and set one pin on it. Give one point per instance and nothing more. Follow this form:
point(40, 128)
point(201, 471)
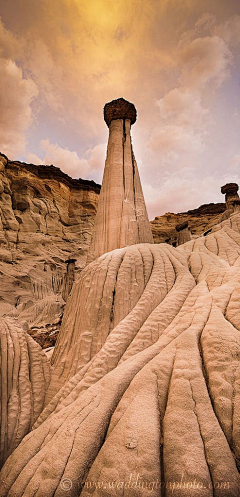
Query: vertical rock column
point(68, 279)
point(236, 206)
point(183, 233)
point(121, 218)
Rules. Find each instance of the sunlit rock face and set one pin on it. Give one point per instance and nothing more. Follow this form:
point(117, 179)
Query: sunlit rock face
point(46, 218)
point(144, 388)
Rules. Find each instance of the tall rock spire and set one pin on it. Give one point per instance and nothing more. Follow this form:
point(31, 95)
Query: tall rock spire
point(121, 218)
point(230, 190)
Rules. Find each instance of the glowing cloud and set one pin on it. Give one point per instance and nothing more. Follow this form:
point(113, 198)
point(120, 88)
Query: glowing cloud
point(176, 60)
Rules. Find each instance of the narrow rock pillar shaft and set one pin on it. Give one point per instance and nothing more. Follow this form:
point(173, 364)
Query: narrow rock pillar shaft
point(68, 279)
point(236, 206)
point(183, 233)
point(121, 218)
point(229, 202)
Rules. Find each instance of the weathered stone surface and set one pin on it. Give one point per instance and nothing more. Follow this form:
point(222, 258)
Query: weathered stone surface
point(151, 383)
point(24, 378)
point(3, 162)
point(236, 205)
point(119, 109)
point(182, 226)
point(68, 278)
point(45, 219)
point(121, 218)
point(199, 220)
point(183, 233)
point(229, 189)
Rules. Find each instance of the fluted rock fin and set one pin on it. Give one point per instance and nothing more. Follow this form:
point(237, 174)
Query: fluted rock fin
point(25, 375)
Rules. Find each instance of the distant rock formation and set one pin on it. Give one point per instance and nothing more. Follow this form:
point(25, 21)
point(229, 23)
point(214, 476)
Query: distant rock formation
point(183, 233)
point(199, 221)
point(230, 190)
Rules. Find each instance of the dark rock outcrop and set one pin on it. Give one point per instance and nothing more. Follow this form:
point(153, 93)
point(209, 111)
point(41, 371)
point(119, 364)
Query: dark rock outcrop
point(119, 109)
point(230, 190)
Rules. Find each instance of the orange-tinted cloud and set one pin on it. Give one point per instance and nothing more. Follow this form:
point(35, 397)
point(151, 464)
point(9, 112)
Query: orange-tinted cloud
point(175, 59)
point(16, 95)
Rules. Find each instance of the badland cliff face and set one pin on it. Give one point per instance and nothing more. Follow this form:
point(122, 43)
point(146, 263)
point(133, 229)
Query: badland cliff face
point(46, 222)
point(199, 221)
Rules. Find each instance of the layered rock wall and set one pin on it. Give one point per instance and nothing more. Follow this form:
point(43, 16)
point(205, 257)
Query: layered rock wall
point(46, 218)
point(199, 220)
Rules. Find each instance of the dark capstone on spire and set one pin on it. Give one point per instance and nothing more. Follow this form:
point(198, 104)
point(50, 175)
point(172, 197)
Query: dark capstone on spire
point(229, 189)
point(119, 109)
point(182, 226)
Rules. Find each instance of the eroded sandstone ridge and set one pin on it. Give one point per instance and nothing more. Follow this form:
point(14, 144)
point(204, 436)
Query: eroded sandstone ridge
point(144, 392)
point(151, 380)
point(46, 220)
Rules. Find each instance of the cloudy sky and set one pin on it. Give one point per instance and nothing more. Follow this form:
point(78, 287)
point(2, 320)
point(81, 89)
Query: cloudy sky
point(178, 61)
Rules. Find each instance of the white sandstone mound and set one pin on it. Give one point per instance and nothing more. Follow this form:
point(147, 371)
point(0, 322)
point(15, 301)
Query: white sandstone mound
point(156, 395)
